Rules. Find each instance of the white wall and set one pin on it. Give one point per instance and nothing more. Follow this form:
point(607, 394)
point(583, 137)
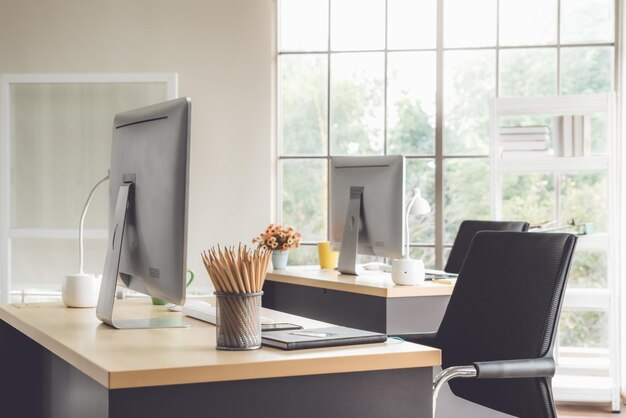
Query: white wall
point(222, 52)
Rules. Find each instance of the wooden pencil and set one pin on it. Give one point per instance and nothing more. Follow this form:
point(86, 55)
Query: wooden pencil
point(236, 269)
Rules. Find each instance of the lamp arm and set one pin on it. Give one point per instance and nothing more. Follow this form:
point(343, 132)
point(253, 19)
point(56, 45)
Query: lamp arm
point(406, 225)
point(82, 222)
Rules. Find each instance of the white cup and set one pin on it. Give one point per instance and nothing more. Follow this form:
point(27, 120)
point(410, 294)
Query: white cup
point(80, 291)
point(407, 272)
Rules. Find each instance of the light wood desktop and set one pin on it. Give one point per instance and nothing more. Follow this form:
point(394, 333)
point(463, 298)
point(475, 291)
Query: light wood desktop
point(76, 365)
point(368, 301)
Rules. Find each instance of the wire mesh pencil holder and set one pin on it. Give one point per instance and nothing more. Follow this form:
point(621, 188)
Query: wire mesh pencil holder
point(238, 323)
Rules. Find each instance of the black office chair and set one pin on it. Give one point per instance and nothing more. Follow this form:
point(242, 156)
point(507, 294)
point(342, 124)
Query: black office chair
point(501, 321)
point(500, 324)
point(466, 232)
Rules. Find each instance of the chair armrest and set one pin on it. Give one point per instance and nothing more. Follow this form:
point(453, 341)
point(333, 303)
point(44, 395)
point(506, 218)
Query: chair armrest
point(423, 338)
point(512, 369)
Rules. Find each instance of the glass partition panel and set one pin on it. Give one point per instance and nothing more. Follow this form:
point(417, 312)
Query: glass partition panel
point(60, 141)
point(469, 23)
point(420, 172)
point(586, 329)
point(426, 254)
point(411, 24)
point(357, 25)
point(587, 21)
point(357, 112)
point(584, 198)
point(469, 79)
point(465, 191)
point(306, 255)
point(528, 72)
point(518, 17)
point(587, 69)
point(411, 103)
point(589, 269)
point(303, 104)
point(529, 197)
point(303, 25)
point(42, 263)
point(305, 197)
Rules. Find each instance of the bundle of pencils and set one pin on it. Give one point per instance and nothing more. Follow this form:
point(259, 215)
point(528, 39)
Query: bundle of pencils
point(237, 270)
point(238, 275)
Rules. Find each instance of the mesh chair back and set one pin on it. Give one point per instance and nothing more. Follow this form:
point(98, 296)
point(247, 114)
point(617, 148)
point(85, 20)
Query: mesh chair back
point(506, 305)
point(467, 230)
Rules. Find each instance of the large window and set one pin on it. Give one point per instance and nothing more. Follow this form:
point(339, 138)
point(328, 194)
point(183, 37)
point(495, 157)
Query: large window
point(373, 77)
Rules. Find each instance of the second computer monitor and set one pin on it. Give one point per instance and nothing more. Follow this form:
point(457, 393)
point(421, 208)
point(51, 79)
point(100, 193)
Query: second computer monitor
point(366, 208)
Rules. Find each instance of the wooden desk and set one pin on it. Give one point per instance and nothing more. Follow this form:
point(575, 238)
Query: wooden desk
point(369, 301)
point(60, 362)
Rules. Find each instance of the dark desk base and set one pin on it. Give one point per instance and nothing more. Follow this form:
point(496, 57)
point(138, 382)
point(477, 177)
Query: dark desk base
point(372, 313)
point(36, 383)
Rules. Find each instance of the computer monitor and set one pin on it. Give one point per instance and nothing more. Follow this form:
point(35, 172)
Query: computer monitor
point(366, 208)
point(148, 194)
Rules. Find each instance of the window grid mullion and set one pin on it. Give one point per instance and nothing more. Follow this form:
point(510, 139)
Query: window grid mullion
point(328, 110)
point(558, 48)
point(439, 160)
point(385, 79)
point(497, 48)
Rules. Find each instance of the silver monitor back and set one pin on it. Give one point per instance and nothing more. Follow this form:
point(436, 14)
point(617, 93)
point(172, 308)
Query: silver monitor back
point(382, 218)
point(150, 152)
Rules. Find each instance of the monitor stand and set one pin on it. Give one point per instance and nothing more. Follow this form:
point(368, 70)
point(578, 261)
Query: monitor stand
point(350, 237)
point(106, 298)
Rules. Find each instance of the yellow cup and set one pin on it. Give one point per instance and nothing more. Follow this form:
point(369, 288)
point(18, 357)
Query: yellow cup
point(328, 258)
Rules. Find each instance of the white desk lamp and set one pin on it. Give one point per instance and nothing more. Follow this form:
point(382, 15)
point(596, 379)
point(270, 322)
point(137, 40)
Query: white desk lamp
point(80, 290)
point(406, 271)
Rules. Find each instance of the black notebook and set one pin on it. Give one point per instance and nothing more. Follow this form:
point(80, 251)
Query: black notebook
point(320, 337)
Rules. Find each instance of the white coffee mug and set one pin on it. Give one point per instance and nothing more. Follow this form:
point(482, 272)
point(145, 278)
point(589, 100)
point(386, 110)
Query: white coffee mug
point(407, 272)
point(80, 290)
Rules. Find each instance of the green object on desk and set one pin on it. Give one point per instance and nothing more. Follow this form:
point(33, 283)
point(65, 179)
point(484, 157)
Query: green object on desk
point(157, 301)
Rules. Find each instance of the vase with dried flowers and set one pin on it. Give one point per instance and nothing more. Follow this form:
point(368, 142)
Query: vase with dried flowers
point(279, 240)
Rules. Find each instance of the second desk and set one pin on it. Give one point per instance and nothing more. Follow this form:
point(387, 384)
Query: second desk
point(370, 301)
